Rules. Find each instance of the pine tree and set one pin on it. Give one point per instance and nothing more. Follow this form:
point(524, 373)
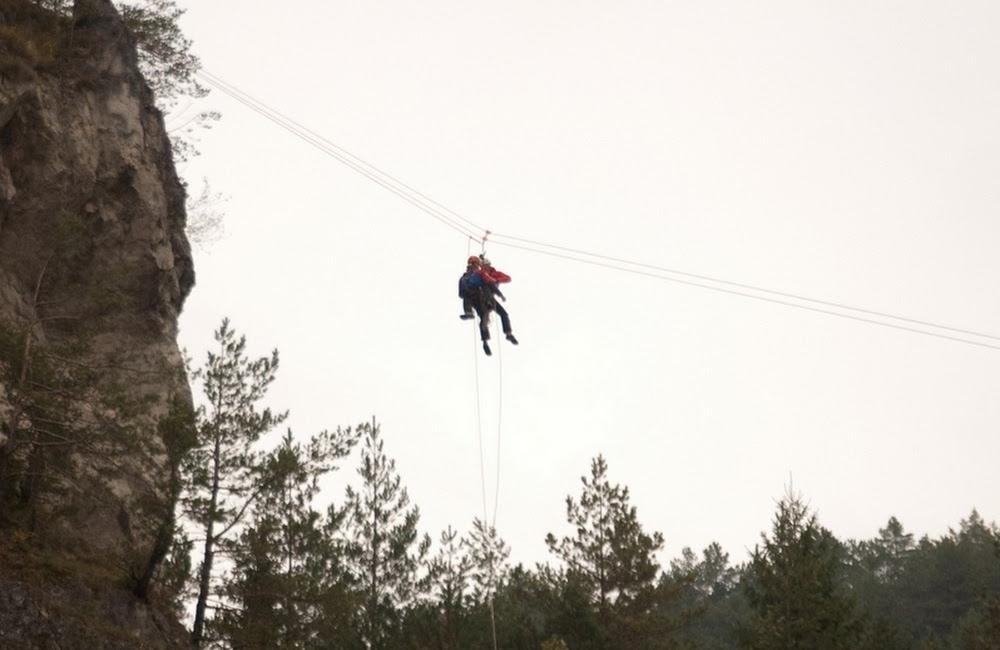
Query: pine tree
point(487, 558)
point(225, 473)
point(164, 51)
point(875, 571)
point(946, 578)
point(287, 588)
point(793, 587)
point(440, 621)
point(612, 557)
point(980, 629)
point(700, 598)
point(384, 551)
point(168, 65)
point(885, 556)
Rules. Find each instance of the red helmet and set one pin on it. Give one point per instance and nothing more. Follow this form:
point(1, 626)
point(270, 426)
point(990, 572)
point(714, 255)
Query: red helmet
point(473, 261)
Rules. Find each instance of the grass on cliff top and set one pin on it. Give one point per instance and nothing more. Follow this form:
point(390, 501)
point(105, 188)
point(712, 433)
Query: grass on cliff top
point(30, 33)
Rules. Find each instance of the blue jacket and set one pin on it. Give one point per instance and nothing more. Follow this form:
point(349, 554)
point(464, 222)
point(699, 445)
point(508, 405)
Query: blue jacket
point(470, 281)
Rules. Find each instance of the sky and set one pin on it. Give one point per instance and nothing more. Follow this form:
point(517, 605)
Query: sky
point(844, 151)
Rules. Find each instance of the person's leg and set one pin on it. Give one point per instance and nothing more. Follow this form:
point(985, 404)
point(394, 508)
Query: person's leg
point(483, 310)
point(504, 317)
point(505, 322)
point(484, 324)
point(484, 328)
point(466, 308)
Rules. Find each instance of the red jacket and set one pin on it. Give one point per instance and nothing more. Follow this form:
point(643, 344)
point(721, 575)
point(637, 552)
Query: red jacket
point(490, 274)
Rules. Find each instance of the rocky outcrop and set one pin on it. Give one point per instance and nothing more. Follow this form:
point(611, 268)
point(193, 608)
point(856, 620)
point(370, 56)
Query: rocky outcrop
point(94, 263)
point(72, 614)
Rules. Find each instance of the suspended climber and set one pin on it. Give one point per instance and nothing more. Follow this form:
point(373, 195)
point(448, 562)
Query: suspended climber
point(478, 288)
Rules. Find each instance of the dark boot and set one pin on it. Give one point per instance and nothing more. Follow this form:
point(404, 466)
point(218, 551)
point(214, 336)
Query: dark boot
point(487, 350)
point(510, 337)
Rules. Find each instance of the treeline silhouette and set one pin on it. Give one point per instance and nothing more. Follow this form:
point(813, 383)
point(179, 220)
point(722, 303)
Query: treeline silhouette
point(275, 568)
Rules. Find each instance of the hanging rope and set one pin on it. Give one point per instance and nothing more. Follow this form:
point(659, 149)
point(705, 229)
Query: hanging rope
point(496, 491)
point(479, 424)
point(482, 482)
point(482, 470)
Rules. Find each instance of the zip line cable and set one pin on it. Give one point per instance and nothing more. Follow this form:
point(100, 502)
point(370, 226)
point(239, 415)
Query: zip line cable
point(347, 162)
point(750, 295)
point(183, 126)
point(401, 193)
point(333, 145)
point(743, 285)
point(464, 226)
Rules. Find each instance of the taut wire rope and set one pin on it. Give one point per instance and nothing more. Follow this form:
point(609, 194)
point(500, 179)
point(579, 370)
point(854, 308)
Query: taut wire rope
point(756, 297)
point(742, 285)
point(465, 226)
point(333, 145)
point(285, 124)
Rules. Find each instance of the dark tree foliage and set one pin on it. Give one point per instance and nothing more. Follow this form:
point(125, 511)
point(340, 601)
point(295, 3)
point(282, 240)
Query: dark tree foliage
point(875, 570)
point(165, 54)
point(225, 472)
point(487, 556)
point(980, 628)
point(611, 559)
point(168, 65)
point(169, 563)
point(384, 550)
point(793, 587)
point(926, 592)
point(441, 621)
point(172, 580)
point(289, 588)
point(708, 605)
point(465, 576)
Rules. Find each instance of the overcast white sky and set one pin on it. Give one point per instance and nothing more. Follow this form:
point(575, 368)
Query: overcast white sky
point(849, 151)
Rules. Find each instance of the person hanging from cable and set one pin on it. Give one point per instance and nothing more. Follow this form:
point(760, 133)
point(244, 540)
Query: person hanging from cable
point(478, 288)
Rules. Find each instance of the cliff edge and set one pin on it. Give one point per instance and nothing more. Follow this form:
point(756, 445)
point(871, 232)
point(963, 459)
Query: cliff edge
point(94, 270)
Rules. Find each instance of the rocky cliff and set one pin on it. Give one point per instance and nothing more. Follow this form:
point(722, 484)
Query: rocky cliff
point(94, 269)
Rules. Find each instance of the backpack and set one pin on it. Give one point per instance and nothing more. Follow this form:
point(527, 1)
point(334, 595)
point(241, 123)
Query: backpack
point(469, 282)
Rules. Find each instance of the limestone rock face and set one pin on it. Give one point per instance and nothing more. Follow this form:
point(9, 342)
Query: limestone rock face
point(94, 262)
point(72, 614)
